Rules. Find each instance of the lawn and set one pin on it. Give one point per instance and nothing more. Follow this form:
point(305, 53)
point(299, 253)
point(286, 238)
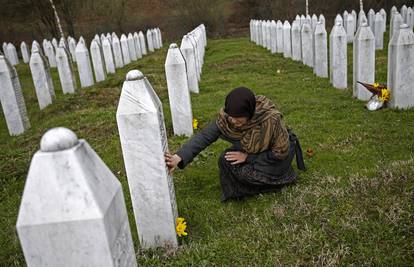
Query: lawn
point(354, 204)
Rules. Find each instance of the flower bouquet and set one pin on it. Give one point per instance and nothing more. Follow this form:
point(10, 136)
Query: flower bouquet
point(380, 95)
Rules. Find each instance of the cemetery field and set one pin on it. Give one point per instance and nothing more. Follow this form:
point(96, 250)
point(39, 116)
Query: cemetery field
point(354, 204)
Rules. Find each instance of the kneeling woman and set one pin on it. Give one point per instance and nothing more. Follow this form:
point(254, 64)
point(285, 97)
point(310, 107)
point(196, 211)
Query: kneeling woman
point(262, 148)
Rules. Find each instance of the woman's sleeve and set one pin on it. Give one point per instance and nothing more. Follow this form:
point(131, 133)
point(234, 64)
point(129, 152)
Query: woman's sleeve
point(198, 143)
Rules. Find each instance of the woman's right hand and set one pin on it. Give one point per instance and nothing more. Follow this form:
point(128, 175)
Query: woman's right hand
point(172, 161)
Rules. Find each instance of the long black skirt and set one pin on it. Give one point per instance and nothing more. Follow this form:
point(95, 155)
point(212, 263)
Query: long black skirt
point(241, 180)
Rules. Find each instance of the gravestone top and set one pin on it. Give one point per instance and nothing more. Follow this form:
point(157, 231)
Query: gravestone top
point(58, 139)
point(134, 75)
point(173, 45)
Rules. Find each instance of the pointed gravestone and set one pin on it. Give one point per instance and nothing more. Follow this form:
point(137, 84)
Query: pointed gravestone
point(273, 37)
point(345, 17)
point(125, 50)
point(54, 43)
point(371, 19)
point(355, 18)
point(116, 48)
point(401, 68)
point(137, 45)
point(66, 74)
point(5, 49)
point(410, 17)
point(84, 65)
point(349, 23)
point(363, 61)
point(362, 18)
point(338, 57)
point(379, 33)
point(131, 48)
point(268, 35)
point(12, 100)
point(188, 52)
point(322, 19)
point(178, 93)
point(321, 51)
point(74, 214)
point(155, 39)
point(150, 41)
point(50, 53)
point(296, 41)
point(338, 18)
point(108, 56)
point(98, 61)
point(160, 37)
point(307, 51)
point(72, 48)
point(142, 43)
point(12, 54)
point(403, 13)
point(259, 33)
point(396, 22)
point(287, 43)
point(144, 141)
point(314, 22)
point(42, 80)
point(25, 52)
point(384, 19)
point(279, 29)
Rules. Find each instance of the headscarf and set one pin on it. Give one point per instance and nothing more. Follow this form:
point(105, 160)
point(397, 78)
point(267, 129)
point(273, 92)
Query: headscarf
point(240, 102)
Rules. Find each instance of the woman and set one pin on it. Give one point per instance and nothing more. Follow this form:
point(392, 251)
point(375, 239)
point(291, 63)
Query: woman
point(260, 159)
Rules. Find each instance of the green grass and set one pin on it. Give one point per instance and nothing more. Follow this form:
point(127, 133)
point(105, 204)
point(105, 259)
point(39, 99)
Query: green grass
point(354, 205)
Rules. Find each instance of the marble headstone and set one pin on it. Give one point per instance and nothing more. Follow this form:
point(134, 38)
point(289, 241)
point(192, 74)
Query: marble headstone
point(72, 48)
point(273, 37)
point(98, 61)
point(379, 33)
point(50, 53)
point(349, 23)
point(131, 47)
point(296, 41)
point(84, 65)
point(116, 46)
point(108, 56)
point(188, 52)
point(287, 43)
point(279, 43)
point(25, 52)
point(125, 49)
point(66, 74)
point(137, 45)
point(150, 41)
point(12, 54)
point(338, 57)
point(307, 50)
point(321, 51)
point(142, 43)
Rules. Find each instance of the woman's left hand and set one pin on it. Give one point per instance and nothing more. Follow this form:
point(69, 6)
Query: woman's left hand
point(236, 157)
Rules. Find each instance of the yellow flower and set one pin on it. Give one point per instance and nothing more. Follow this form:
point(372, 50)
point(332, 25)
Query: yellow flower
point(179, 220)
point(385, 95)
point(376, 85)
point(195, 124)
point(180, 227)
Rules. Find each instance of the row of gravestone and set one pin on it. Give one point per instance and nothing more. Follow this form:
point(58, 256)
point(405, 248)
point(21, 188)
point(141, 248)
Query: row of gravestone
point(75, 213)
point(107, 53)
point(303, 43)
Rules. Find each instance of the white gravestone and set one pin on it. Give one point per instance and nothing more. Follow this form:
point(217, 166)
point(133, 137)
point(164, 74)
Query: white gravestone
point(314, 22)
point(345, 17)
point(142, 43)
point(371, 19)
point(50, 53)
point(84, 65)
point(54, 43)
point(307, 50)
point(188, 52)
point(150, 41)
point(72, 48)
point(401, 68)
point(98, 61)
point(108, 56)
point(197, 55)
point(363, 61)
point(155, 39)
point(384, 19)
point(349, 23)
point(338, 57)
point(137, 45)
point(42, 79)
point(410, 17)
point(74, 214)
point(65, 69)
point(296, 41)
point(321, 51)
point(160, 37)
point(125, 50)
point(5, 49)
point(273, 36)
point(268, 35)
point(379, 33)
point(287, 43)
point(116, 46)
point(362, 18)
point(396, 21)
point(178, 93)
point(338, 18)
point(25, 52)
point(322, 19)
point(355, 18)
point(131, 48)
point(279, 29)
point(12, 54)
point(403, 12)
point(144, 141)
point(12, 100)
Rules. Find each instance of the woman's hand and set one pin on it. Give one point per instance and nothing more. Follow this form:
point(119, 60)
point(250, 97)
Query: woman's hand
point(236, 157)
point(171, 161)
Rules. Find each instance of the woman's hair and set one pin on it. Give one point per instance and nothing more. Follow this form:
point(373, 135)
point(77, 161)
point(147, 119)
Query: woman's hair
point(240, 102)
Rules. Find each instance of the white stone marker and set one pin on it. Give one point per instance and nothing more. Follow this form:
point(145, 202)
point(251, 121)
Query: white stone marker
point(5, 49)
point(98, 61)
point(362, 18)
point(371, 19)
point(131, 48)
point(74, 213)
point(314, 22)
point(25, 52)
point(116, 46)
point(410, 17)
point(296, 41)
point(268, 35)
point(307, 50)
point(137, 45)
point(279, 29)
point(273, 36)
point(12, 54)
point(178, 93)
point(321, 51)
point(401, 68)
point(84, 65)
point(322, 19)
point(150, 41)
point(338, 18)
point(338, 57)
point(384, 19)
point(142, 43)
point(108, 56)
point(12, 100)
point(65, 69)
point(404, 13)
point(42, 79)
point(125, 50)
point(160, 37)
point(396, 22)
point(155, 39)
point(349, 25)
point(355, 17)
point(144, 141)
point(287, 43)
point(345, 18)
point(363, 61)
point(197, 55)
point(50, 53)
point(72, 48)
point(54, 43)
point(379, 33)
point(188, 52)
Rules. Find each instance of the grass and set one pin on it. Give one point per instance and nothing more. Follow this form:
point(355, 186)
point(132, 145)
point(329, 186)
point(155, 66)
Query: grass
point(354, 205)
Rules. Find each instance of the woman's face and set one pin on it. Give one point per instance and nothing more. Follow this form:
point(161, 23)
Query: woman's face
point(238, 122)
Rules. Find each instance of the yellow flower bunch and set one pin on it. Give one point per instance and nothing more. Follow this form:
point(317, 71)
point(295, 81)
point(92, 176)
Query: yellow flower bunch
point(376, 85)
point(384, 95)
point(195, 124)
point(180, 226)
